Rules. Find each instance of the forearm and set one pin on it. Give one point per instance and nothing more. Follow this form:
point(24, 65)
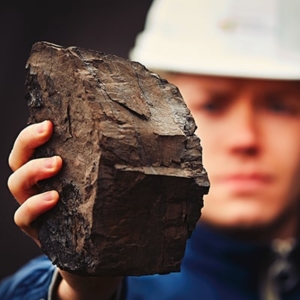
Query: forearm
point(79, 288)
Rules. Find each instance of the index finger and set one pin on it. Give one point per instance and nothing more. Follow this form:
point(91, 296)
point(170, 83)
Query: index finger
point(27, 141)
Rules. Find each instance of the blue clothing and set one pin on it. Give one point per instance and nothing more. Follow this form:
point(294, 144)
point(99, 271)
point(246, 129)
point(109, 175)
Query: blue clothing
point(30, 283)
point(215, 267)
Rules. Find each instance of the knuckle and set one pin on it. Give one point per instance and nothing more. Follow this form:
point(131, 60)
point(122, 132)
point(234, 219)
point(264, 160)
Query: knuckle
point(10, 183)
point(21, 139)
point(23, 220)
point(10, 162)
point(18, 221)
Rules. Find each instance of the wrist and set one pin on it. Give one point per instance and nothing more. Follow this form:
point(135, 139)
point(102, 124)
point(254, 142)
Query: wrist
point(74, 287)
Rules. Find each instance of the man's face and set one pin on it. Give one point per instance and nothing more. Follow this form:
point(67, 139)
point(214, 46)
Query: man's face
point(250, 134)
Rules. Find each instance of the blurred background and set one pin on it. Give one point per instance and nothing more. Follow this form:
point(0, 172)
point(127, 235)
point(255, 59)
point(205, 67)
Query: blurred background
point(106, 25)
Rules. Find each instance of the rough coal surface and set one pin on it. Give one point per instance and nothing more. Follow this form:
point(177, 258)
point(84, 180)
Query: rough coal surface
point(132, 185)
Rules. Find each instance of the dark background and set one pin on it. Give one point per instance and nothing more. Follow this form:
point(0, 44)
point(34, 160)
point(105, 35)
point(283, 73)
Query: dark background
point(106, 25)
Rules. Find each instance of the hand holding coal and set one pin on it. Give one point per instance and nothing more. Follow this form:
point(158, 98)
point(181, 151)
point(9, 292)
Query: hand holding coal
point(132, 184)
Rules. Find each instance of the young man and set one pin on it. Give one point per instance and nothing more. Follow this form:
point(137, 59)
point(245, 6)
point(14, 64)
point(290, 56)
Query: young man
point(237, 66)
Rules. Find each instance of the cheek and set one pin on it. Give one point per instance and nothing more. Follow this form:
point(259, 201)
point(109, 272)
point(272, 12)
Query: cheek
point(290, 170)
point(209, 144)
point(284, 158)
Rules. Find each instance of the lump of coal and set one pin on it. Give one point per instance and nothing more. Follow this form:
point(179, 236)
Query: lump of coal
point(132, 183)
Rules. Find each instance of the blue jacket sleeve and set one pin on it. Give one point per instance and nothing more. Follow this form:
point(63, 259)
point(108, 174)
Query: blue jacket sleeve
point(32, 281)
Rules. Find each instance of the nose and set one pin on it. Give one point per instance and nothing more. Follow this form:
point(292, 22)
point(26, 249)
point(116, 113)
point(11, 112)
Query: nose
point(243, 137)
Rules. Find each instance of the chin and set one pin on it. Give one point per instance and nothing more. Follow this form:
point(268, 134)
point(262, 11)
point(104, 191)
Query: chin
point(240, 213)
point(241, 220)
point(255, 223)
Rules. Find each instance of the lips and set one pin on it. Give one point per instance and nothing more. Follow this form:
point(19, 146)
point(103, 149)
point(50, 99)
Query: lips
point(245, 182)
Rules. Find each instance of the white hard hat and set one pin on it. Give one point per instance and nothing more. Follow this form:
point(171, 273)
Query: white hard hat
point(243, 38)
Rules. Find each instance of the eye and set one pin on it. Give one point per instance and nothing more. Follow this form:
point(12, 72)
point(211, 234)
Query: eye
point(210, 106)
point(279, 104)
point(215, 103)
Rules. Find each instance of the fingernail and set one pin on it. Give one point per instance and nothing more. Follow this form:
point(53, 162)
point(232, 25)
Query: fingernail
point(49, 162)
point(41, 127)
point(48, 196)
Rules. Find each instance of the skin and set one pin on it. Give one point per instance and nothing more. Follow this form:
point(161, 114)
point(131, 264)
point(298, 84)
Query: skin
point(23, 185)
point(249, 131)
